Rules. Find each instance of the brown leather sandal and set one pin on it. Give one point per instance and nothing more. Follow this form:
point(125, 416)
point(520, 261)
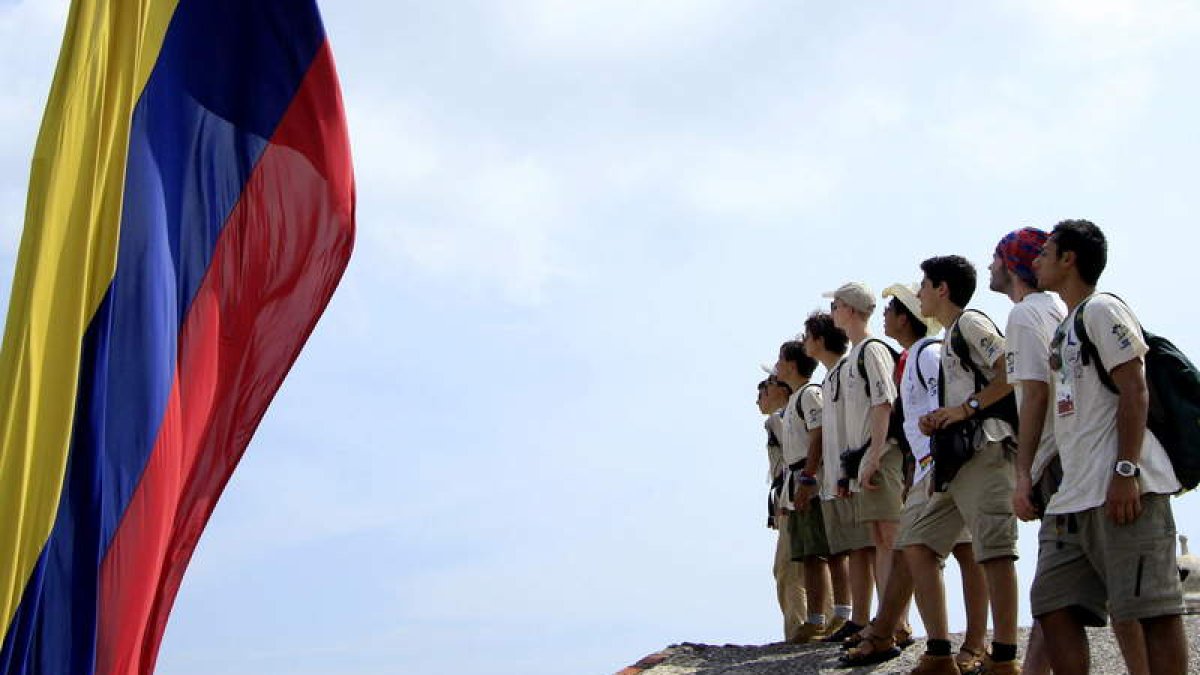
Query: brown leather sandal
point(854, 640)
point(969, 660)
point(870, 650)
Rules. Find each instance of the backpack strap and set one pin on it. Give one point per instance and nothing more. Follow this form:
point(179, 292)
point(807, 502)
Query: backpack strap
point(963, 350)
point(917, 362)
point(862, 361)
point(800, 398)
point(836, 374)
point(1089, 352)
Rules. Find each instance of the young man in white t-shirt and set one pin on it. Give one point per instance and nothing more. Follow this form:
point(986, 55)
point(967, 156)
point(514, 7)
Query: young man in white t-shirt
point(918, 387)
point(1031, 324)
point(868, 390)
point(848, 540)
point(773, 395)
point(805, 522)
point(1111, 550)
point(979, 495)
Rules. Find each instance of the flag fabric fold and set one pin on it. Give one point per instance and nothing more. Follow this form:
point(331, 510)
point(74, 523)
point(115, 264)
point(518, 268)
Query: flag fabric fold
point(190, 212)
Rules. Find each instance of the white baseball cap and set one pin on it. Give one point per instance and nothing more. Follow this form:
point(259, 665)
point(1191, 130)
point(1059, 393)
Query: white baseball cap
point(855, 294)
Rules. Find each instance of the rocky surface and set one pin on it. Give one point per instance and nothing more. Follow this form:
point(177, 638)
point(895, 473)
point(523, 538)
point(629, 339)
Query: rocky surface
point(785, 659)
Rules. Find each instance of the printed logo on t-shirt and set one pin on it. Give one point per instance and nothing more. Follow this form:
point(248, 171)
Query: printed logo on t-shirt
point(1122, 334)
point(987, 345)
point(1010, 362)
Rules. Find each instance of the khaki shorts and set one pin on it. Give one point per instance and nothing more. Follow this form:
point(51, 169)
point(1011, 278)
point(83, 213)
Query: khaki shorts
point(842, 528)
point(806, 529)
point(883, 503)
point(1087, 562)
point(980, 497)
point(914, 507)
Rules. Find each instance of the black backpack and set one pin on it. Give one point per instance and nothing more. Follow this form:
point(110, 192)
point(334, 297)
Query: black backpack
point(1174, 386)
point(1006, 408)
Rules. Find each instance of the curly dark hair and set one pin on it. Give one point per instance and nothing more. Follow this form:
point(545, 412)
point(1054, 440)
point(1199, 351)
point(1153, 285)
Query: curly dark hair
point(820, 325)
point(793, 351)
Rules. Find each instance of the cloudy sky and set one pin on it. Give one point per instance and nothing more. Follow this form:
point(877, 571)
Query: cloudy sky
point(523, 438)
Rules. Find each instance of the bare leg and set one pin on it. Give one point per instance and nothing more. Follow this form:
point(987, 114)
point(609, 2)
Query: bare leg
point(839, 573)
point(930, 594)
point(1132, 641)
point(975, 597)
point(861, 584)
point(893, 607)
point(883, 534)
point(1070, 655)
point(1037, 661)
point(1003, 594)
point(1166, 647)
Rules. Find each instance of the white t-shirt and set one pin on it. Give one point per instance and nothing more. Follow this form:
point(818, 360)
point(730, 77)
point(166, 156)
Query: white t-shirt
point(774, 427)
point(881, 368)
point(1086, 412)
point(986, 346)
point(920, 398)
point(831, 431)
point(802, 409)
point(1031, 326)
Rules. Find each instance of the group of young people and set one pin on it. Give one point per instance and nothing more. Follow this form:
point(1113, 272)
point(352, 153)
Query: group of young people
point(897, 459)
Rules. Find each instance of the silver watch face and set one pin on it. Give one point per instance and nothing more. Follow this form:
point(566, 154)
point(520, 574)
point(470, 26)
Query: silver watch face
point(1125, 468)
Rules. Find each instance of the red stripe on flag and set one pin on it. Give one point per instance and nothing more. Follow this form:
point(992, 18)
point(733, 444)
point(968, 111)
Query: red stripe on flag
point(274, 269)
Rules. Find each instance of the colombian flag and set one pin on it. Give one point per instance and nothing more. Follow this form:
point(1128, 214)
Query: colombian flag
point(190, 212)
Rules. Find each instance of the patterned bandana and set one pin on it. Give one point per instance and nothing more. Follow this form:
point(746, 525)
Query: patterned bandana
point(1019, 248)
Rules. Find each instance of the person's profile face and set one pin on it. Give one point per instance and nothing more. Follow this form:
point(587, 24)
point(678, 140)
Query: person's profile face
point(891, 319)
point(927, 296)
point(1048, 267)
point(999, 280)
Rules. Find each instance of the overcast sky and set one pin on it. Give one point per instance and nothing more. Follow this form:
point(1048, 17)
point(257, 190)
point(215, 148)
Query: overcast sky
point(523, 436)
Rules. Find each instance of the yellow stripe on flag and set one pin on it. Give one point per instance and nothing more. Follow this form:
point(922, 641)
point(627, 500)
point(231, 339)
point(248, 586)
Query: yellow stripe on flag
point(66, 261)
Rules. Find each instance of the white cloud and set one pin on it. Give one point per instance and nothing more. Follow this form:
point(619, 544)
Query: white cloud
point(1112, 30)
point(488, 212)
point(30, 33)
point(760, 184)
point(609, 30)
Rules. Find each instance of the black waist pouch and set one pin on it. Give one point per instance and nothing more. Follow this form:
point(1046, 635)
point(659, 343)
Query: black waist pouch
point(1046, 486)
point(951, 447)
point(851, 460)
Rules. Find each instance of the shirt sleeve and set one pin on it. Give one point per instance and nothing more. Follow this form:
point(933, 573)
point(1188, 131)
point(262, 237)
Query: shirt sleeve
point(811, 403)
point(1027, 356)
point(880, 367)
point(984, 341)
point(1114, 330)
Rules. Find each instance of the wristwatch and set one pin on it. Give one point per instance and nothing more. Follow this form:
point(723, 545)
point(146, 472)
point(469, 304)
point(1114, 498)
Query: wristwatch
point(973, 404)
point(1126, 469)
